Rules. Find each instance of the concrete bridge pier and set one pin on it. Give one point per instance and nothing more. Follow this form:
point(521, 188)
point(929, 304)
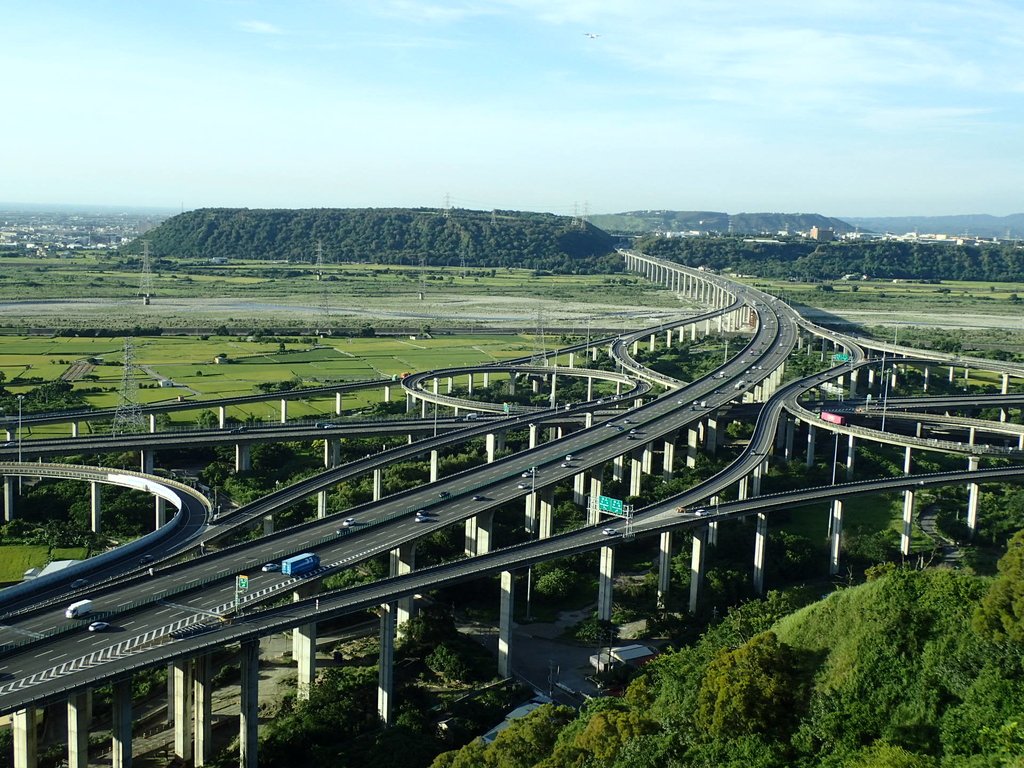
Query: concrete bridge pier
point(284, 411)
point(836, 533)
point(248, 721)
point(24, 733)
point(203, 709)
point(691, 448)
point(386, 671)
point(121, 724)
point(146, 461)
point(972, 498)
point(760, 545)
point(435, 465)
point(378, 484)
point(505, 613)
point(222, 413)
point(851, 453)
point(698, 564)
point(95, 506)
point(579, 489)
point(184, 720)
point(596, 480)
point(243, 457)
point(636, 474)
point(79, 717)
point(619, 467)
point(10, 491)
point(812, 432)
point(605, 583)
point(495, 442)
point(546, 498)
point(402, 560)
point(533, 436)
point(332, 452)
point(478, 533)
point(908, 504)
point(664, 568)
point(321, 504)
point(668, 457)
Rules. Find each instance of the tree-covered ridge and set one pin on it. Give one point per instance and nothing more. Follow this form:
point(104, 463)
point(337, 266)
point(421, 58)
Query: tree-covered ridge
point(387, 236)
point(647, 222)
point(808, 260)
point(896, 672)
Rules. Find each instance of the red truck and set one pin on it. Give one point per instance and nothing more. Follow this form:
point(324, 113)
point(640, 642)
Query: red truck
point(834, 418)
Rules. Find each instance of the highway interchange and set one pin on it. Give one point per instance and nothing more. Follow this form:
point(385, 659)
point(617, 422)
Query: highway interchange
point(191, 593)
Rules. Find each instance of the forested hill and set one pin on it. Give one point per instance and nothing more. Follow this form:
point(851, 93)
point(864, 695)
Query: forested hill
point(387, 236)
point(808, 260)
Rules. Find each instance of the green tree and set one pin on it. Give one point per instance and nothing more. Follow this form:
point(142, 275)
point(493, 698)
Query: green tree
point(755, 689)
point(1001, 613)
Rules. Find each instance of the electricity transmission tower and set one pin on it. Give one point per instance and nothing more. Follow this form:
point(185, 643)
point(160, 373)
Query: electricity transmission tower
point(146, 280)
point(128, 417)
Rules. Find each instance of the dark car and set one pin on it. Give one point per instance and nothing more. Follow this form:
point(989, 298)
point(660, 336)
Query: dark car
point(145, 559)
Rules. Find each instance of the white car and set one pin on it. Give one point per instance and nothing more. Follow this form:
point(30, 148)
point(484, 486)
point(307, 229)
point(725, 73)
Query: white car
point(271, 568)
point(98, 626)
point(349, 521)
point(609, 531)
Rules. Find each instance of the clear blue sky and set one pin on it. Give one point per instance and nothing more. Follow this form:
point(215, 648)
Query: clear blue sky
point(840, 107)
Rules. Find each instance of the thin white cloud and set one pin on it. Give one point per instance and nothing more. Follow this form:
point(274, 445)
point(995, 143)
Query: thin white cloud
point(259, 27)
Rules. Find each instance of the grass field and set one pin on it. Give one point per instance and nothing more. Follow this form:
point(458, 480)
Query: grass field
point(15, 559)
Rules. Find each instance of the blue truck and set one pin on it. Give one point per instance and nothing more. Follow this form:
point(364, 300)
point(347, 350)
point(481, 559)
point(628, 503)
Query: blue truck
point(296, 565)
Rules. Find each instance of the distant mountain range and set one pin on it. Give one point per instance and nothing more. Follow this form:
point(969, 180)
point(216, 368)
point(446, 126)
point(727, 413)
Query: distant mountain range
point(646, 222)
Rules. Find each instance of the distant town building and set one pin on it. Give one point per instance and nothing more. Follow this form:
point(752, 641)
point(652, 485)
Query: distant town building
point(822, 235)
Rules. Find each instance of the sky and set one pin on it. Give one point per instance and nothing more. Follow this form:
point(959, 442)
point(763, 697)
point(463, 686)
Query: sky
point(838, 107)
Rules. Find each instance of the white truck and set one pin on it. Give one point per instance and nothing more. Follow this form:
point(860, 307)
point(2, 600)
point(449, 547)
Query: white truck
point(78, 609)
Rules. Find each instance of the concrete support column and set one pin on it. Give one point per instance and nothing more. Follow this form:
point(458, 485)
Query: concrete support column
point(636, 475)
point(146, 462)
point(284, 411)
point(691, 448)
point(378, 484)
point(121, 724)
point(605, 583)
point(533, 436)
point(836, 527)
point(579, 489)
point(203, 709)
point(812, 432)
point(243, 457)
point(74, 429)
point(248, 721)
point(789, 440)
point(402, 560)
point(698, 555)
point(434, 465)
point(596, 480)
point(760, 545)
point(490, 443)
point(590, 388)
point(183, 718)
point(647, 459)
point(711, 433)
point(530, 513)
point(927, 374)
point(668, 457)
point(321, 504)
point(619, 468)
point(78, 729)
point(23, 728)
point(505, 612)
point(152, 422)
point(95, 506)
point(332, 452)
point(908, 519)
point(159, 512)
point(469, 383)
point(546, 497)
point(387, 394)
point(853, 382)
point(304, 653)
point(10, 491)
point(664, 568)
point(386, 672)
point(851, 452)
point(972, 498)
point(222, 413)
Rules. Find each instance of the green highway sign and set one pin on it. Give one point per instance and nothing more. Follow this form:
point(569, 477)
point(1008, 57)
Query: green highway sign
point(840, 357)
point(243, 583)
point(610, 505)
